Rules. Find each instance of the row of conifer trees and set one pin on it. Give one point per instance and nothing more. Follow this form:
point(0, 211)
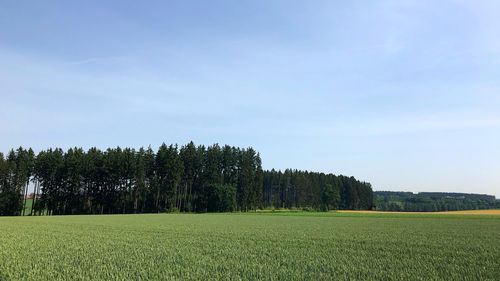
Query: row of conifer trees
point(189, 178)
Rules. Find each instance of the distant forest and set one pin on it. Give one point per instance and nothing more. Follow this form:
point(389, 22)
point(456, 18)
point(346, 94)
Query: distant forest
point(432, 201)
point(171, 179)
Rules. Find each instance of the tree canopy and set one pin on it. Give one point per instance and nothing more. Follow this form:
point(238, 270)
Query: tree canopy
point(188, 178)
point(432, 201)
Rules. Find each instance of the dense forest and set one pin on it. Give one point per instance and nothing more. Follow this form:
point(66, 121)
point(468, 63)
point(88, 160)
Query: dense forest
point(296, 189)
point(432, 201)
point(187, 179)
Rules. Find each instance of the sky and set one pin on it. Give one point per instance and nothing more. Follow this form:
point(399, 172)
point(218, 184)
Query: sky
point(402, 94)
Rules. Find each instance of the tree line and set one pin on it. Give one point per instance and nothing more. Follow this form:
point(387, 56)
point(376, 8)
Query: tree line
point(189, 178)
point(318, 191)
point(433, 201)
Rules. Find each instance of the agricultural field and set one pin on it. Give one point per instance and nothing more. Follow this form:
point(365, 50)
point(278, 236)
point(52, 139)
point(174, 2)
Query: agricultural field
point(487, 212)
point(266, 246)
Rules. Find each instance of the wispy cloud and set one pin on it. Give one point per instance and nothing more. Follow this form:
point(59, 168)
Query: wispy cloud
point(96, 60)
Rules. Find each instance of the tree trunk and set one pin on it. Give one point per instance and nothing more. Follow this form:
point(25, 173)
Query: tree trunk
point(35, 195)
point(135, 200)
point(185, 194)
point(25, 196)
point(181, 197)
point(190, 199)
point(158, 199)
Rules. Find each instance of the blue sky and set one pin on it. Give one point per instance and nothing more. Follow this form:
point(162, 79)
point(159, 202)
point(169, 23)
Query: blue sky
point(403, 94)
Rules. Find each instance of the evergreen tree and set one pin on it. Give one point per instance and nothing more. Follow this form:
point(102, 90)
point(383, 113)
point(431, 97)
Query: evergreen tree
point(191, 178)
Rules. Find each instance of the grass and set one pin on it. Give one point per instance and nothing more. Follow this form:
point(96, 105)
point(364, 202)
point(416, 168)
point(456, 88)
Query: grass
point(266, 246)
point(27, 209)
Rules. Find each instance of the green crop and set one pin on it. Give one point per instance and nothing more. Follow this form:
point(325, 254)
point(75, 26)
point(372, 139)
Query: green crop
point(284, 246)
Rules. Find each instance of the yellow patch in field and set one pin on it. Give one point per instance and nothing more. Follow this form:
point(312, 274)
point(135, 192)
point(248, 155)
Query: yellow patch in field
point(469, 212)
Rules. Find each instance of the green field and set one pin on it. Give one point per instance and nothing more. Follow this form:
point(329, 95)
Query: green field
point(27, 209)
point(282, 246)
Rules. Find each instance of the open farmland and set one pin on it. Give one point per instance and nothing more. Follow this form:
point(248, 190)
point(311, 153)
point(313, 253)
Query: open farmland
point(488, 212)
point(283, 246)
